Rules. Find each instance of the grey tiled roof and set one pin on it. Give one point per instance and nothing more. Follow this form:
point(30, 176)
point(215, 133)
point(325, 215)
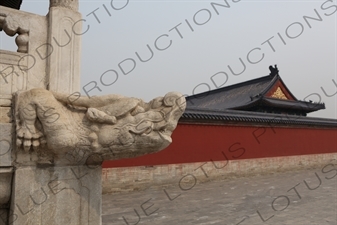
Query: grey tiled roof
point(248, 94)
point(231, 96)
point(234, 104)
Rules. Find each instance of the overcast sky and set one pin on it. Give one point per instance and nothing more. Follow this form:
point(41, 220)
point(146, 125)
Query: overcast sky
point(198, 39)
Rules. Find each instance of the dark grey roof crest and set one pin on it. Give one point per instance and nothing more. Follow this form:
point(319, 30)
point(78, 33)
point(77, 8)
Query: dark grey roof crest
point(273, 70)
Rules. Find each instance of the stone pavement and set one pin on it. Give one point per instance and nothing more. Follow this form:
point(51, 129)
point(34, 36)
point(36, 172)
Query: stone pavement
point(307, 197)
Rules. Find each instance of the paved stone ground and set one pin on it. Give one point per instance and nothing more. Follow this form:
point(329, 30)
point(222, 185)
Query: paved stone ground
point(304, 197)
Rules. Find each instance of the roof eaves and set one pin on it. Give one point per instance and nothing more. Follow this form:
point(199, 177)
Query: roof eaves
point(256, 117)
point(302, 105)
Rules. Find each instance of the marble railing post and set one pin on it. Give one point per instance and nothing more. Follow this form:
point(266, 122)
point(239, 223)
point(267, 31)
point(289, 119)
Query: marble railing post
point(64, 37)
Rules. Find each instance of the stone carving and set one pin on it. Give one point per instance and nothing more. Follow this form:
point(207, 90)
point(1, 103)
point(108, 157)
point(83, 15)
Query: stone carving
point(13, 24)
point(73, 130)
point(69, 4)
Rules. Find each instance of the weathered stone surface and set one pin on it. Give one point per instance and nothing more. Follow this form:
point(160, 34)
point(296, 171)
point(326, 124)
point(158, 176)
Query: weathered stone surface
point(62, 139)
point(6, 144)
point(13, 76)
point(57, 195)
point(64, 61)
point(5, 114)
point(13, 24)
point(69, 4)
point(3, 216)
point(6, 102)
point(5, 186)
point(63, 130)
point(29, 61)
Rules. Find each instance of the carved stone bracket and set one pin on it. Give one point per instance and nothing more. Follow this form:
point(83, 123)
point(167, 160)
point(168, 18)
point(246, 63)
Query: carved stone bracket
point(59, 129)
point(13, 24)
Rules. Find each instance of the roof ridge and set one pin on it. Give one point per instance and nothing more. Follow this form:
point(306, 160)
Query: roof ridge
point(230, 86)
point(271, 84)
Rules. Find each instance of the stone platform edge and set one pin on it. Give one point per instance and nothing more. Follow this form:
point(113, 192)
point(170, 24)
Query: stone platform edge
point(127, 179)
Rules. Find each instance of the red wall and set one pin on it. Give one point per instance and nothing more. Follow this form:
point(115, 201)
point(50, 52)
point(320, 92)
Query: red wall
point(202, 143)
